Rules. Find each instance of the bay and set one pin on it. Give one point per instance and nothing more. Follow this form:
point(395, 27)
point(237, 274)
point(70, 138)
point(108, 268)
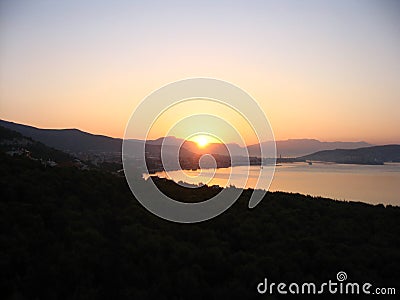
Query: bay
point(366, 183)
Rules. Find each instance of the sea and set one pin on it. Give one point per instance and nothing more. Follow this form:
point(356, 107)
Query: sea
point(374, 184)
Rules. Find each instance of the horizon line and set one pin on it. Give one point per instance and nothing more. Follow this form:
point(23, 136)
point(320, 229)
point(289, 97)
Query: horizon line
point(154, 139)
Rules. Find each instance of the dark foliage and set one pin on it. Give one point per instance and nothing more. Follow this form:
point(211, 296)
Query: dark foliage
point(72, 234)
point(72, 140)
point(12, 140)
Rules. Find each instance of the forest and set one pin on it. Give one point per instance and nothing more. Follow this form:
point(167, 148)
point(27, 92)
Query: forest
point(67, 233)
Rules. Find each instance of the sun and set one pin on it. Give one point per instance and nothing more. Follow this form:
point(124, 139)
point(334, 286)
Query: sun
point(204, 140)
point(201, 141)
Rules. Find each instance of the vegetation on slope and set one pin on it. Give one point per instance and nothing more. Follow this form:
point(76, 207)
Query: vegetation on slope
point(67, 233)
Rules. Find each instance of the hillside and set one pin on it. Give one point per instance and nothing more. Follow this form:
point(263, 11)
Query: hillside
point(71, 140)
point(299, 147)
point(76, 141)
point(370, 155)
point(14, 143)
point(72, 234)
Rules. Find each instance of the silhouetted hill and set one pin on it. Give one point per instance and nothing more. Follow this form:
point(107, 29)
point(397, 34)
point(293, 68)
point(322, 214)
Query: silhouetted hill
point(74, 140)
point(214, 148)
point(73, 234)
point(167, 141)
point(14, 143)
point(288, 148)
point(71, 140)
point(369, 155)
point(299, 147)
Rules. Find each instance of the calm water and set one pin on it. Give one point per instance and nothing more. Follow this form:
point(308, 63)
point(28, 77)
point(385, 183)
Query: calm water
point(371, 184)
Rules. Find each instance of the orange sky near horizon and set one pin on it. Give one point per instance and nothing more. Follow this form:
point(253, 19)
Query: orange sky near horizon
point(328, 71)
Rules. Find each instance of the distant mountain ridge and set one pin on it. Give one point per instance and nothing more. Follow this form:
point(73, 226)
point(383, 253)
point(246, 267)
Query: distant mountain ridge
point(375, 155)
point(299, 147)
point(76, 141)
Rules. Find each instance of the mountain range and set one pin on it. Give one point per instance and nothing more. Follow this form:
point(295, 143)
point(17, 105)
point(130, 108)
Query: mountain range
point(77, 141)
point(376, 155)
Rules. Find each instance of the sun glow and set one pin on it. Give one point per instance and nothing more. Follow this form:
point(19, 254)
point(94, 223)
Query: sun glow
point(201, 141)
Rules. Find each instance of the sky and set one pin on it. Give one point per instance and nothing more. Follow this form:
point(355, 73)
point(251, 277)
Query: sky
point(328, 70)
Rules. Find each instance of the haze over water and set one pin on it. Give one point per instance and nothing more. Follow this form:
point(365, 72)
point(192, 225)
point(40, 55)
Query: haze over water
point(365, 183)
